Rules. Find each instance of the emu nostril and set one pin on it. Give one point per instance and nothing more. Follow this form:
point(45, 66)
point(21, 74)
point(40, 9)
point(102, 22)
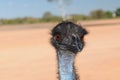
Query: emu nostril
point(73, 38)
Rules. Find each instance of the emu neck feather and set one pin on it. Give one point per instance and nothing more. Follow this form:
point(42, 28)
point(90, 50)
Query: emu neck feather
point(66, 65)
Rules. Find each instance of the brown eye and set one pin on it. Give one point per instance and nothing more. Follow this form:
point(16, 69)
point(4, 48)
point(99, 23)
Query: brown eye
point(57, 37)
point(82, 38)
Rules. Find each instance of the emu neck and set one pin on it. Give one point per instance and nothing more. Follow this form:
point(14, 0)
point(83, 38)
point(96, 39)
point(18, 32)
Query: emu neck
point(66, 65)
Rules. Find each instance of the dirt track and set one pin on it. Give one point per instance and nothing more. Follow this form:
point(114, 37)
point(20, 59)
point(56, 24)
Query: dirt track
point(28, 55)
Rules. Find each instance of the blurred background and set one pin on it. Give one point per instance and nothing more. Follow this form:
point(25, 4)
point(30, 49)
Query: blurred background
point(38, 11)
point(25, 49)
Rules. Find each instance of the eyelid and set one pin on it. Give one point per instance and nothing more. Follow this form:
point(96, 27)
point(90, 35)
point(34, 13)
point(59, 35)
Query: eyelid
point(55, 33)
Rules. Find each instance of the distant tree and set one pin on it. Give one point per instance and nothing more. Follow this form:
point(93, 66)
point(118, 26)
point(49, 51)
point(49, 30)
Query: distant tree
point(117, 12)
point(77, 17)
point(108, 14)
point(47, 15)
point(97, 14)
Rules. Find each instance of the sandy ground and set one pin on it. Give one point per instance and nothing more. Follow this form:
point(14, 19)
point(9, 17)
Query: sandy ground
point(28, 55)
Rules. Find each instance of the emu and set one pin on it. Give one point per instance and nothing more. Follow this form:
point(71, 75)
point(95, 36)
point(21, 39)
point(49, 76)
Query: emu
point(68, 40)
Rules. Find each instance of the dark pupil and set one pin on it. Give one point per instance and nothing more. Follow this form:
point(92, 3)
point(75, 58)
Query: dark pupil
point(58, 37)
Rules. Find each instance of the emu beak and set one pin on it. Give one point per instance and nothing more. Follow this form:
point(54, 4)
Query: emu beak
point(78, 44)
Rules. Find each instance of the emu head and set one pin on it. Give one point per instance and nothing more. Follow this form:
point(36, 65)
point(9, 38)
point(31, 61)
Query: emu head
point(68, 36)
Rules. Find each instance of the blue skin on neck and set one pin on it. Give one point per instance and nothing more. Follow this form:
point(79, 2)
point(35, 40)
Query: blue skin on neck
point(66, 65)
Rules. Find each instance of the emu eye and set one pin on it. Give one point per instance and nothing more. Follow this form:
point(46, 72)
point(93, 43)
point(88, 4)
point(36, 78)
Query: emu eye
point(57, 37)
point(82, 38)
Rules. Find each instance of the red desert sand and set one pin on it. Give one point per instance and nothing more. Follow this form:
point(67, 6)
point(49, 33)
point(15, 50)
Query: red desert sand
point(28, 55)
